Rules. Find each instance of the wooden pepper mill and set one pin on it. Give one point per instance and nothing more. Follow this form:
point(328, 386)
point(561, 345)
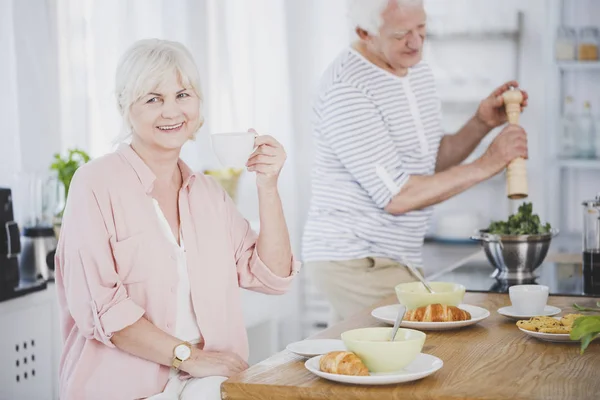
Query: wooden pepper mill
point(516, 172)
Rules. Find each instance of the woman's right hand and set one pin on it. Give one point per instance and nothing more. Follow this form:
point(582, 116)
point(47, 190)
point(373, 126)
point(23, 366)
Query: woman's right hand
point(212, 363)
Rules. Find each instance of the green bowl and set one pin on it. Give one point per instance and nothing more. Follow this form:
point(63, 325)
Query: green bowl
point(378, 353)
point(414, 294)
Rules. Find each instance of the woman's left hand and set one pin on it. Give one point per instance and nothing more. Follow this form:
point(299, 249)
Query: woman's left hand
point(491, 109)
point(267, 161)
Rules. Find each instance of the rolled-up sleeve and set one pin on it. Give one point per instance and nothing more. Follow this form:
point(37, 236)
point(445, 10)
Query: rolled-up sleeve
point(355, 130)
point(96, 298)
point(252, 272)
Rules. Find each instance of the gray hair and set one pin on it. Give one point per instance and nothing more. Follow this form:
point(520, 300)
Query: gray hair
point(144, 66)
point(366, 14)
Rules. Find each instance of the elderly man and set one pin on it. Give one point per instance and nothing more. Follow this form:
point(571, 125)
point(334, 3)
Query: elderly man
point(382, 159)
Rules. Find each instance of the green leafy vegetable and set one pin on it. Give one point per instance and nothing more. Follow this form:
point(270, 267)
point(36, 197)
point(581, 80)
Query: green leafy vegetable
point(585, 329)
point(524, 222)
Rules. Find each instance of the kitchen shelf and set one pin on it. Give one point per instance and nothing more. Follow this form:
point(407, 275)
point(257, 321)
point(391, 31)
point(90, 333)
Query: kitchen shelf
point(579, 65)
point(579, 163)
point(559, 75)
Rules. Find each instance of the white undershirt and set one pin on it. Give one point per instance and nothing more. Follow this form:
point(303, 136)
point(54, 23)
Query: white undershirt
point(186, 325)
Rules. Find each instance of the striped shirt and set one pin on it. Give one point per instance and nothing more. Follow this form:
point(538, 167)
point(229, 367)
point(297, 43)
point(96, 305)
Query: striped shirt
point(372, 131)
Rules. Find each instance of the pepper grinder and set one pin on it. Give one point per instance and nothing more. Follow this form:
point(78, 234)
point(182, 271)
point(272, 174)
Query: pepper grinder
point(516, 172)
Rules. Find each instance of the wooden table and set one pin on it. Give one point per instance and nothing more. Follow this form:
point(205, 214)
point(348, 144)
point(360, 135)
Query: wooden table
point(490, 360)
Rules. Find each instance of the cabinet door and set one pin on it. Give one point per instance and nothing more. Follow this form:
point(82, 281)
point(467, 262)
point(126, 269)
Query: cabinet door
point(26, 371)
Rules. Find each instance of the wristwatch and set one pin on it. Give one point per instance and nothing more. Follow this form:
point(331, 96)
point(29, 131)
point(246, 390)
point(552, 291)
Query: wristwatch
point(181, 352)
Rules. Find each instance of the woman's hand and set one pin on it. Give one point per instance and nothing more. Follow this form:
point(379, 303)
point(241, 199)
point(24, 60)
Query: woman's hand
point(491, 110)
point(267, 161)
point(210, 363)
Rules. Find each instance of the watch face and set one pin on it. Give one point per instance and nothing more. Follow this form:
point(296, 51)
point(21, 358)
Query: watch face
point(183, 352)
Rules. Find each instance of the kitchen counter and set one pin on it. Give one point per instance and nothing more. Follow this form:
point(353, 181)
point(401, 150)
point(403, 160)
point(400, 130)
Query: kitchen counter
point(491, 360)
point(562, 277)
point(439, 256)
point(466, 264)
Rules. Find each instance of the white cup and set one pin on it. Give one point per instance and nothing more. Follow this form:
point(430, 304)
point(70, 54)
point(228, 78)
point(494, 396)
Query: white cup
point(529, 300)
point(233, 148)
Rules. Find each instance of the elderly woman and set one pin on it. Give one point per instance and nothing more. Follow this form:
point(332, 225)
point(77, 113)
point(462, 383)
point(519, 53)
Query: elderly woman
point(151, 254)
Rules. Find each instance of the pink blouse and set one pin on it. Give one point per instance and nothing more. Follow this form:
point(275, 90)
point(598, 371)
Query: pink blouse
point(114, 265)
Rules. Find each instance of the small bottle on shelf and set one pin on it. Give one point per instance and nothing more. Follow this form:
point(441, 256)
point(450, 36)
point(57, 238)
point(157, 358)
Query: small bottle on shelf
point(568, 130)
point(586, 135)
point(566, 43)
point(588, 44)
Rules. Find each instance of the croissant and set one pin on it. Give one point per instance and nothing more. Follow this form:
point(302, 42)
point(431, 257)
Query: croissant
point(343, 363)
point(437, 313)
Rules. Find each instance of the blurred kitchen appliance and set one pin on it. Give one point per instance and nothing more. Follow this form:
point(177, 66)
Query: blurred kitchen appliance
point(39, 194)
point(10, 246)
point(37, 254)
point(591, 245)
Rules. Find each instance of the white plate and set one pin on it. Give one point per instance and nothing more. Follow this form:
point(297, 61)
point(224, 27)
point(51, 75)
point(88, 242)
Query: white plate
point(316, 347)
point(509, 312)
point(424, 365)
point(388, 315)
point(550, 337)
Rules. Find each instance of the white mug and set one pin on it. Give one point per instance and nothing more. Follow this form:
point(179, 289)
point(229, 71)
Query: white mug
point(529, 300)
point(233, 148)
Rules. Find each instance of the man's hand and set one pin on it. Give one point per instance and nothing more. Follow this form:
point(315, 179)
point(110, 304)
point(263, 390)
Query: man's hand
point(491, 111)
point(511, 143)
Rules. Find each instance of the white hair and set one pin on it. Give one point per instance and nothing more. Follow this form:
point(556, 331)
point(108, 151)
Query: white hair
point(366, 14)
point(144, 66)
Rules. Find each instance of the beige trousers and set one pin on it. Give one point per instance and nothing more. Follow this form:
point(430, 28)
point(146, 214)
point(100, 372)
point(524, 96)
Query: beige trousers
point(353, 285)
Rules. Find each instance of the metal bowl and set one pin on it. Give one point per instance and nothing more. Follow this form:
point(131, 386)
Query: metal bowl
point(515, 257)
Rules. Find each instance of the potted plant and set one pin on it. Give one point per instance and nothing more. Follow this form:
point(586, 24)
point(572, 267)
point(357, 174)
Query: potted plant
point(65, 168)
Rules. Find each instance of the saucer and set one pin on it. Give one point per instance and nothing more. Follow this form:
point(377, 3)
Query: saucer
point(509, 312)
point(316, 347)
point(424, 365)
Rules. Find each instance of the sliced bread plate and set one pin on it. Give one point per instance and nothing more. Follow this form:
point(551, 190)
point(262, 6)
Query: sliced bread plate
point(388, 314)
point(424, 365)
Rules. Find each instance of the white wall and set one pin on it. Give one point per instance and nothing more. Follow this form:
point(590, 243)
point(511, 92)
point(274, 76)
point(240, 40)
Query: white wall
point(30, 133)
point(10, 157)
point(317, 31)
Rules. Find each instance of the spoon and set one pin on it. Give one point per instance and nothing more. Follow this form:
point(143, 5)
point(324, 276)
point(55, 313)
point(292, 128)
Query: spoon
point(401, 312)
point(416, 273)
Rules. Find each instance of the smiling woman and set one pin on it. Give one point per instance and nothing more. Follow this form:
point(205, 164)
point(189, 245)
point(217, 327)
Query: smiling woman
point(151, 254)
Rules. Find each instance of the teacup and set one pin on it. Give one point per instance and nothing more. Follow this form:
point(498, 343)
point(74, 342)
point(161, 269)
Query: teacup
point(233, 148)
point(528, 299)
